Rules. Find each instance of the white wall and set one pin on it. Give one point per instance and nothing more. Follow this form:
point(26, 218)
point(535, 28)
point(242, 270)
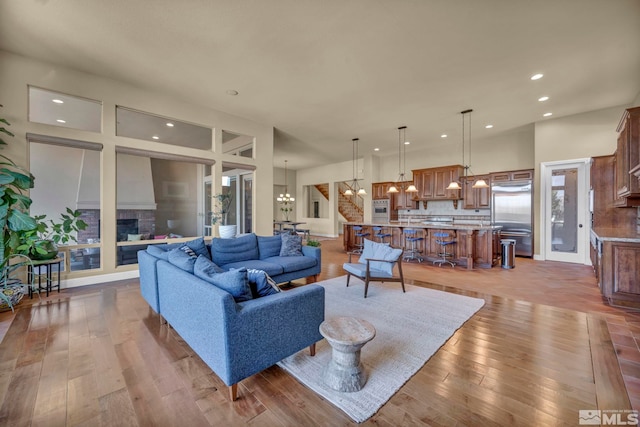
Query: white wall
point(17, 72)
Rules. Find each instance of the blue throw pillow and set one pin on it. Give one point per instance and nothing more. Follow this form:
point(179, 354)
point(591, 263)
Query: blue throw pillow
point(181, 259)
point(206, 266)
point(158, 252)
point(235, 281)
point(261, 284)
point(199, 247)
point(291, 245)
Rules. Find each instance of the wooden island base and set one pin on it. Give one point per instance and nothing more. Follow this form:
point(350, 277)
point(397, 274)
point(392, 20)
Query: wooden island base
point(476, 246)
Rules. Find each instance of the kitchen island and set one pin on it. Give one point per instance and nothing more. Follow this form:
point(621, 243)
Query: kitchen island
point(476, 245)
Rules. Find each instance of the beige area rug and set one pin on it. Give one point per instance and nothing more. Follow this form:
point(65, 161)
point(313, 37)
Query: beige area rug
point(410, 328)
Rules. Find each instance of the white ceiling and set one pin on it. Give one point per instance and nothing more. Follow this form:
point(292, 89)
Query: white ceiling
point(324, 72)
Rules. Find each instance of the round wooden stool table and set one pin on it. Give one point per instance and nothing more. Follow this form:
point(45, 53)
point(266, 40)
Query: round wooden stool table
point(347, 336)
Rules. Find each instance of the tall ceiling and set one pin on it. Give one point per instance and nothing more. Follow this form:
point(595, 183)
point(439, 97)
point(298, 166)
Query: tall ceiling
point(323, 72)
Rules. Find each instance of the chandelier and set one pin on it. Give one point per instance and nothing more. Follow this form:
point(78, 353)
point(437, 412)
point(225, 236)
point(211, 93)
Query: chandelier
point(354, 187)
point(285, 200)
point(402, 163)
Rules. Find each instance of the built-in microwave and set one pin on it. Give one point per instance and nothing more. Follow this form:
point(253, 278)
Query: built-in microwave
point(380, 212)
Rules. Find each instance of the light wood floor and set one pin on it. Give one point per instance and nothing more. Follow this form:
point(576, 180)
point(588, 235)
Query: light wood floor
point(544, 346)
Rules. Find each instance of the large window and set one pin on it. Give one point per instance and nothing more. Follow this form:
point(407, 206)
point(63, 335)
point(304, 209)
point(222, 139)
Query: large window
point(67, 175)
point(158, 198)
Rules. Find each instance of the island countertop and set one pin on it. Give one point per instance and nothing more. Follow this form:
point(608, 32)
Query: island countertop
point(616, 234)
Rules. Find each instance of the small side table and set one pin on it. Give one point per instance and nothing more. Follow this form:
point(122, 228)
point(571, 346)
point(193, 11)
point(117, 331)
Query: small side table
point(347, 336)
point(48, 266)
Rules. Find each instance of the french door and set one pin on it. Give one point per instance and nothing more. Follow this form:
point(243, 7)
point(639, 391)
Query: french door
point(565, 205)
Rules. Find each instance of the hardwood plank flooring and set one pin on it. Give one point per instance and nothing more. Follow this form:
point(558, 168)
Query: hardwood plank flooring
point(544, 346)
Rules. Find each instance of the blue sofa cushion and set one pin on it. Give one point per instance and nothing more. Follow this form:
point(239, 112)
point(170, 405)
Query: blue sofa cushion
point(261, 284)
point(291, 245)
point(243, 248)
point(234, 281)
point(269, 246)
point(181, 259)
point(158, 252)
point(293, 263)
point(272, 269)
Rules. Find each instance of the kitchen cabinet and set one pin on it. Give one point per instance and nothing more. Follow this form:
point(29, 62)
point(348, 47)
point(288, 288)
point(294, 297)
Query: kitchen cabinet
point(628, 159)
point(526, 174)
point(603, 185)
point(379, 190)
point(618, 267)
point(432, 183)
point(402, 199)
point(476, 198)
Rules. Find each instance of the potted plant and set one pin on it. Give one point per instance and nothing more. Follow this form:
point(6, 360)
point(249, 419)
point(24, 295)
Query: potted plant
point(14, 204)
point(220, 215)
point(312, 242)
point(41, 242)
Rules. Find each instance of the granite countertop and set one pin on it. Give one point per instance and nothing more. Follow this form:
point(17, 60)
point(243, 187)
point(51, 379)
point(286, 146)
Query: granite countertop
point(421, 224)
point(617, 234)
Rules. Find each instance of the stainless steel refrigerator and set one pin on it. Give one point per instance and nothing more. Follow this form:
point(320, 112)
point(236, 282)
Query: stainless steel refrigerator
point(512, 208)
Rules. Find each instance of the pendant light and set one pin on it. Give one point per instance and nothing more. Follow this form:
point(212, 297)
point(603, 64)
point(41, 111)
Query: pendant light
point(478, 183)
point(455, 185)
point(402, 162)
point(285, 198)
point(354, 187)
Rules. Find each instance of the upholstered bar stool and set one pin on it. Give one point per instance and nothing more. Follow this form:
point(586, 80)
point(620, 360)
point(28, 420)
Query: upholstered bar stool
point(445, 240)
point(360, 235)
point(411, 245)
point(380, 234)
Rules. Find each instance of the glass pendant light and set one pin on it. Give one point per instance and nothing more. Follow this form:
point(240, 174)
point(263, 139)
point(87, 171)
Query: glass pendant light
point(402, 157)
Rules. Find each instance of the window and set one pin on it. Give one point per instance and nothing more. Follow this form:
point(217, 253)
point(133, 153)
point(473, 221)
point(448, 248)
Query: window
point(163, 130)
point(158, 197)
point(237, 145)
point(58, 109)
point(68, 176)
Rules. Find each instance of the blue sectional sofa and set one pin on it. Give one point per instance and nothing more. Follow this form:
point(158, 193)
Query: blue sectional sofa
point(236, 339)
point(250, 251)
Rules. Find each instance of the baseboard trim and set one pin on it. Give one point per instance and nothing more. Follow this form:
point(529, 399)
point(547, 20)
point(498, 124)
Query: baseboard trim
point(101, 278)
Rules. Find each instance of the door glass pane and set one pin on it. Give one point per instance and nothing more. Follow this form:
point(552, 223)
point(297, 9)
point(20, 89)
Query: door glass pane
point(208, 194)
point(247, 204)
point(564, 210)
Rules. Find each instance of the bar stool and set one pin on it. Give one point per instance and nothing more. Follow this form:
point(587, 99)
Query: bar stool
point(377, 232)
point(411, 237)
point(359, 233)
point(445, 240)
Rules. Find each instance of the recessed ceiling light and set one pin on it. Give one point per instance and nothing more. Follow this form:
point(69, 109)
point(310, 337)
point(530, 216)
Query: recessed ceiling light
point(543, 98)
point(407, 143)
point(58, 101)
point(376, 149)
point(232, 92)
point(488, 126)
point(547, 114)
point(61, 121)
point(537, 76)
point(155, 137)
point(444, 135)
point(169, 124)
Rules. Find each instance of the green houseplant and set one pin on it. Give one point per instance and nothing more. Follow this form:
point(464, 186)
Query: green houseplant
point(222, 207)
point(40, 243)
point(14, 203)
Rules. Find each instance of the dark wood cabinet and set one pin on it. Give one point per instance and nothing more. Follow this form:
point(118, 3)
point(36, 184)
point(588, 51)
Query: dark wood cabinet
point(627, 161)
point(402, 199)
point(432, 183)
point(618, 267)
point(476, 198)
point(379, 190)
point(603, 186)
point(512, 175)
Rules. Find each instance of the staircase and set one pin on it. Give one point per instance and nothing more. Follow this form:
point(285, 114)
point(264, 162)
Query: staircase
point(350, 207)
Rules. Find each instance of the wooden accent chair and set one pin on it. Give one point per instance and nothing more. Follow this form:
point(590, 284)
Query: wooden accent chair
point(376, 264)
